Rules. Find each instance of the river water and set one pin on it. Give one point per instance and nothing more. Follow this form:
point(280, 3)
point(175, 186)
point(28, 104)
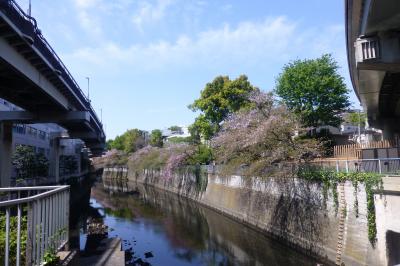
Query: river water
point(159, 228)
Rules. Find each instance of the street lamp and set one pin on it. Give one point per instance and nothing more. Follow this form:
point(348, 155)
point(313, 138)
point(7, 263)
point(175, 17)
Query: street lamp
point(30, 9)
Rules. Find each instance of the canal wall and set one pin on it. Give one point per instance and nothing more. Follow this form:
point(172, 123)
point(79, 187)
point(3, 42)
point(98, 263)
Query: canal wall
point(295, 212)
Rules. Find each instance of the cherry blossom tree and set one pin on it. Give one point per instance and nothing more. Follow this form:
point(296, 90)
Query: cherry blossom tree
point(254, 139)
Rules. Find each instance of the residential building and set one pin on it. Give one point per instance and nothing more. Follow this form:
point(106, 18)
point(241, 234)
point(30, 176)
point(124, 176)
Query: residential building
point(50, 140)
point(179, 131)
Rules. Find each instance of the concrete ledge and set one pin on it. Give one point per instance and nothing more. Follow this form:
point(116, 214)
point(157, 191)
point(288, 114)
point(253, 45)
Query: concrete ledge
point(391, 185)
point(111, 254)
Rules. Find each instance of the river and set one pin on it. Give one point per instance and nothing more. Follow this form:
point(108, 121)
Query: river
point(160, 228)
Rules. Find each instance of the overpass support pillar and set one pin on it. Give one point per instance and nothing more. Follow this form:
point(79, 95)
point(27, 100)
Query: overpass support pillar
point(55, 159)
point(6, 150)
point(389, 129)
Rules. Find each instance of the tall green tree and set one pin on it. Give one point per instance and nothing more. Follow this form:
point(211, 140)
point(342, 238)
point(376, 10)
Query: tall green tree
point(217, 101)
point(109, 144)
point(202, 128)
point(314, 90)
point(355, 118)
point(130, 141)
point(156, 138)
point(117, 143)
point(68, 164)
point(133, 140)
point(29, 164)
point(175, 129)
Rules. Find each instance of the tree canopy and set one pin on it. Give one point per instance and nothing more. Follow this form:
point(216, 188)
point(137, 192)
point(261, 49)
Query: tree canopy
point(130, 141)
point(29, 164)
point(177, 140)
point(217, 101)
point(314, 90)
point(256, 138)
point(156, 138)
point(175, 129)
point(117, 143)
point(133, 140)
point(355, 118)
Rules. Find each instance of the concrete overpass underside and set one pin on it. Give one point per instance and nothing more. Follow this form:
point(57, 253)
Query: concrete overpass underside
point(373, 46)
point(33, 77)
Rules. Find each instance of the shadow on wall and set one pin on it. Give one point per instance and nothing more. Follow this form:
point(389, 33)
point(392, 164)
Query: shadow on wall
point(289, 209)
point(294, 210)
point(298, 215)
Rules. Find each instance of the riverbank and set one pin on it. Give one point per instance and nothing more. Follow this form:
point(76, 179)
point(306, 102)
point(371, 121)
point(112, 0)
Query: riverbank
point(295, 212)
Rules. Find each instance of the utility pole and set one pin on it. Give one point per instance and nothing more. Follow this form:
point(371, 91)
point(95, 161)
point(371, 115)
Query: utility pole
point(88, 88)
point(101, 115)
point(359, 125)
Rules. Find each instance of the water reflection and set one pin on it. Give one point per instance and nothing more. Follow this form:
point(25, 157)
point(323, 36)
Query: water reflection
point(159, 228)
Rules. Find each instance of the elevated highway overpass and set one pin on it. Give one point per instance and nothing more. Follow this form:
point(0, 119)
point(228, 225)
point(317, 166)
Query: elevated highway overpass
point(373, 49)
point(33, 77)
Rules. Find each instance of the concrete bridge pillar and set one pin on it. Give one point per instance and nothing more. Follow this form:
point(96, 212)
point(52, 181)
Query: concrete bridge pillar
point(55, 159)
point(389, 129)
point(6, 150)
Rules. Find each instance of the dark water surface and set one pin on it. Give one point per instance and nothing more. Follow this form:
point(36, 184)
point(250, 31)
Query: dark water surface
point(159, 228)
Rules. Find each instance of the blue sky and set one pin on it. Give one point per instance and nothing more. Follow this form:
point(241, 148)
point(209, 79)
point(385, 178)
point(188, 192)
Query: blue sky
point(149, 59)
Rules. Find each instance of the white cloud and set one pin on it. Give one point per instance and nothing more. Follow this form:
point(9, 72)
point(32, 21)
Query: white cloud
point(86, 3)
point(248, 40)
point(91, 14)
point(86, 10)
point(273, 41)
point(150, 13)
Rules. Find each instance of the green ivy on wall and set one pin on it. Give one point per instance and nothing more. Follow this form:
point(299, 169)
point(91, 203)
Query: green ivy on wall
point(331, 179)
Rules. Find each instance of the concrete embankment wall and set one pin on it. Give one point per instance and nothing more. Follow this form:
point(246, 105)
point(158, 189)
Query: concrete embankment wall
point(295, 212)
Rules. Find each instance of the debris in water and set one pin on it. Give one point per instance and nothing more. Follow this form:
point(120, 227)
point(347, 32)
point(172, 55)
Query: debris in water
point(148, 255)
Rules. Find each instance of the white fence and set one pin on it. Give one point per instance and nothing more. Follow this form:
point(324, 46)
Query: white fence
point(389, 166)
point(47, 212)
point(385, 166)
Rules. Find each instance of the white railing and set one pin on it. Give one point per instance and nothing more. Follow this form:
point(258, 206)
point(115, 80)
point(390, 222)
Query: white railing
point(388, 166)
point(46, 212)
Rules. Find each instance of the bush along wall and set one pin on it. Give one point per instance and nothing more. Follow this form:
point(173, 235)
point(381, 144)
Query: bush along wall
point(330, 180)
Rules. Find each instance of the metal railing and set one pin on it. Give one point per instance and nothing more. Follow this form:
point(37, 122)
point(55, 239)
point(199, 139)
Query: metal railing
point(388, 166)
point(40, 216)
point(384, 166)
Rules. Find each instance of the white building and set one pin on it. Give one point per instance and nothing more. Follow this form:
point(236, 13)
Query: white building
point(183, 132)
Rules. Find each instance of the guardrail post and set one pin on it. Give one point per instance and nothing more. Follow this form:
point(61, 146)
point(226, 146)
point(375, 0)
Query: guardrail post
point(379, 166)
point(18, 234)
point(67, 219)
point(30, 236)
point(7, 247)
